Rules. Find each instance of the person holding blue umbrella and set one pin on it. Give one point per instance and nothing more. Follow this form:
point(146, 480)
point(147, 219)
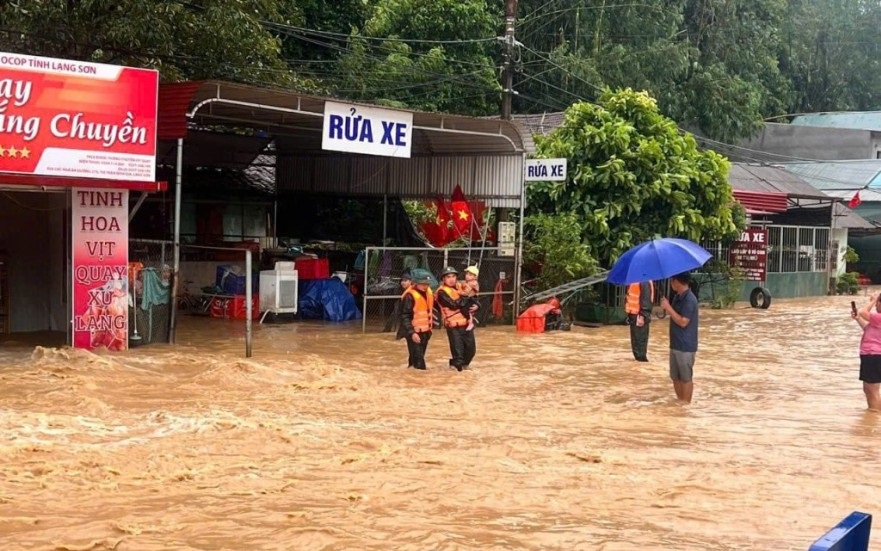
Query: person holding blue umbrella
point(673, 258)
point(683, 313)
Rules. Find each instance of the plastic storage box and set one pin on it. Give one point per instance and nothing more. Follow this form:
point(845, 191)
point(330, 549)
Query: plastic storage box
point(312, 268)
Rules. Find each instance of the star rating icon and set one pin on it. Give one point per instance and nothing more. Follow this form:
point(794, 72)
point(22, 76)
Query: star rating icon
point(13, 152)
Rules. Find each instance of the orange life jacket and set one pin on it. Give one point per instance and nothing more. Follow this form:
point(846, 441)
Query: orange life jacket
point(422, 309)
point(633, 298)
point(452, 318)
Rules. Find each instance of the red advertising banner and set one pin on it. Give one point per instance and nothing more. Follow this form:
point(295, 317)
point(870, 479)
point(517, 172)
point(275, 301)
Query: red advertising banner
point(750, 254)
point(100, 268)
point(77, 119)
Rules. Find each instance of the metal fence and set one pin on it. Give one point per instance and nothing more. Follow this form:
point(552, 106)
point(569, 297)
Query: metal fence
point(383, 267)
point(791, 249)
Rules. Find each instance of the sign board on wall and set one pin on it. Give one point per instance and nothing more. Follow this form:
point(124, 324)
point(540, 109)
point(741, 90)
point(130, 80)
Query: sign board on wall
point(77, 119)
point(368, 130)
point(550, 170)
point(100, 268)
point(750, 254)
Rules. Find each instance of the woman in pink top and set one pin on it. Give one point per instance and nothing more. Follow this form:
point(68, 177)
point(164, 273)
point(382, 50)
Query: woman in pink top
point(870, 351)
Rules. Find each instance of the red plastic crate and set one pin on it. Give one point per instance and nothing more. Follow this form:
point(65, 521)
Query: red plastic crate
point(312, 268)
point(234, 307)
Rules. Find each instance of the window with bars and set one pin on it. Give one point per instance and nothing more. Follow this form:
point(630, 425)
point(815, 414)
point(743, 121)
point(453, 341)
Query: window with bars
point(791, 249)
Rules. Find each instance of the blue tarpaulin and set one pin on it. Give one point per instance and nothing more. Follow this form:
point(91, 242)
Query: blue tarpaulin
point(326, 299)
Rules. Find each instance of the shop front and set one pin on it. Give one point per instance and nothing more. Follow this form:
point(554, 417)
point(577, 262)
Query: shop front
point(76, 139)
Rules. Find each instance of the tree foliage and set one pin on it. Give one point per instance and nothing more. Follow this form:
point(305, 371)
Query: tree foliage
point(712, 64)
point(426, 58)
point(829, 49)
point(184, 40)
point(633, 174)
point(554, 245)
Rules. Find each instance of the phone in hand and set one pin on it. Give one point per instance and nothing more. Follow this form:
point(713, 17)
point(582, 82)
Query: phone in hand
point(853, 307)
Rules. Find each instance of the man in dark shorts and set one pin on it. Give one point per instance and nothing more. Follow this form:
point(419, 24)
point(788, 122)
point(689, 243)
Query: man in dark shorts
point(683, 313)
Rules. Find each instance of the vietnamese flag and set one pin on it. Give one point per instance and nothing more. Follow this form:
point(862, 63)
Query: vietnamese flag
point(478, 213)
point(437, 230)
point(855, 201)
point(461, 214)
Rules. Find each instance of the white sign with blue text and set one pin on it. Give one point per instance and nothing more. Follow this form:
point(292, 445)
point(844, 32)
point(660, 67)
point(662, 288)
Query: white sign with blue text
point(538, 170)
point(367, 130)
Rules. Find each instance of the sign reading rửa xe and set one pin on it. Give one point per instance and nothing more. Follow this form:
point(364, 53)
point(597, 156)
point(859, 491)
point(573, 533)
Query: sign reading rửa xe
point(537, 170)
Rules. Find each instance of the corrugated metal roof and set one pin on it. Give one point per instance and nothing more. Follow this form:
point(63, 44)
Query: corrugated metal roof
point(835, 177)
point(495, 179)
point(543, 123)
point(213, 103)
point(484, 156)
point(750, 177)
point(861, 120)
point(174, 102)
point(848, 219)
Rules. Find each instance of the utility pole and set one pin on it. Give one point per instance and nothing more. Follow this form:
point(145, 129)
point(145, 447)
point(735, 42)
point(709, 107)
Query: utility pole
point(508, 92)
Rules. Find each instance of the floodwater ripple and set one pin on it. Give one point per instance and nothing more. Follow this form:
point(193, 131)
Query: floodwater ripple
point(324, 440)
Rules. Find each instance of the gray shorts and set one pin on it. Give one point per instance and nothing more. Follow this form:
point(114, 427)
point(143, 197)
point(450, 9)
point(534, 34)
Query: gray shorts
point(681, 365)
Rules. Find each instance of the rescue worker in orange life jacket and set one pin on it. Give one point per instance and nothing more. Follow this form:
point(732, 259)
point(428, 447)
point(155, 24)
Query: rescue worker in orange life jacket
point(417, 304)
point(455, 311)
point(640, 297)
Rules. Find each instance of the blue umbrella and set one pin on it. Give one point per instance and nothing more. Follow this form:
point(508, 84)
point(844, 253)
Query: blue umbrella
point(657, 259)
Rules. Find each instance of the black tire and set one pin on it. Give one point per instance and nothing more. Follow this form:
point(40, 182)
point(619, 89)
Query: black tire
point(760, 298)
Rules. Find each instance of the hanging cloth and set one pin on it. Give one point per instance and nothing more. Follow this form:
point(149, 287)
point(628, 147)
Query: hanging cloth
point(498, 307)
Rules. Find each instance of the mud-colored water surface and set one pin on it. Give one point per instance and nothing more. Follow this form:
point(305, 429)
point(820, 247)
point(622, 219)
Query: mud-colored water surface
point(323, 440)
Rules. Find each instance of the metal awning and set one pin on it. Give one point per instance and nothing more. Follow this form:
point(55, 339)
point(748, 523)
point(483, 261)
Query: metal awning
point(300, 117)
point(761, 202)
point(753, 178)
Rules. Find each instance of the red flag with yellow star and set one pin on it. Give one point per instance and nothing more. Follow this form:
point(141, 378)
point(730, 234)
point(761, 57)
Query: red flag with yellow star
point(437, 230)
point(461, 214)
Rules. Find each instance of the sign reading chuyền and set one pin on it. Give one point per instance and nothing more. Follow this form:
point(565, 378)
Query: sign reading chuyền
point(77, 119)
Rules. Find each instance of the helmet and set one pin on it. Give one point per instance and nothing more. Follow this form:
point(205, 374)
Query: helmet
point(449, 270)
point(473, 270)
point(555, 302)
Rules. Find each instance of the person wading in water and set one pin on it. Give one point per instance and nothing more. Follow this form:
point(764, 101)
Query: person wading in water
point(417, 304)
point(456, 311)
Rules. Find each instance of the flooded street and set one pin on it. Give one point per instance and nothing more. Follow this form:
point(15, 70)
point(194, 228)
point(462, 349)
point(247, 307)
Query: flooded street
point(323, 440)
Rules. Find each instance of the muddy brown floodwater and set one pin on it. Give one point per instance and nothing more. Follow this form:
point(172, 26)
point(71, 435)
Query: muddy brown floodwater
point(323, 440)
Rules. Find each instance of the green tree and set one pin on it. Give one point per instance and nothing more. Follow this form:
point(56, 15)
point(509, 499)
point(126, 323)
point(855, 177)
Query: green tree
point(554, 247)
point(436, 55)
point(199, 39)
point(829, 52)
point(734, 81)
point(633, 174)
point(711, 64)
point(324, 27)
